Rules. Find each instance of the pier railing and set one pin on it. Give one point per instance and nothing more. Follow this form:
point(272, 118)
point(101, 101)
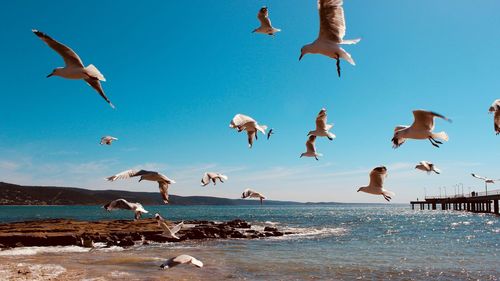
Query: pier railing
point(467, 195)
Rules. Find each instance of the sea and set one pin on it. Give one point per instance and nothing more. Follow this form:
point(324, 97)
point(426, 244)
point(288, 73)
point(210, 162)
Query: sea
point(330, 242)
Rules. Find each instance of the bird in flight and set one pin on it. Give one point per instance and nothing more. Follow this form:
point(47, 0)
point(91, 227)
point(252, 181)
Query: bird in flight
point(331, 33)
point(74, 68)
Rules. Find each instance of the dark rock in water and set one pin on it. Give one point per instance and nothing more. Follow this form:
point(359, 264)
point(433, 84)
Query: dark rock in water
point(288, 233)
point(124, 233)
point(237, 223)
point(126, 242)
point(271, 229)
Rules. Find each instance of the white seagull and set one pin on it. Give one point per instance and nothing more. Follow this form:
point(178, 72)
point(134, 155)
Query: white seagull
point(265, 23)
point(107, 140)
point(376, 185)
point(74, 68)
point(495, 108)
point(428, 167)
point(248, 193)
point(163, 181)
point(123, 204)
point(182, 259)
point(209, 176)
point(422, 128)
point(311, 148)
point(242, 122)
point(331, 33)
point(322, 129)
point(486, 180)
point(168, 232)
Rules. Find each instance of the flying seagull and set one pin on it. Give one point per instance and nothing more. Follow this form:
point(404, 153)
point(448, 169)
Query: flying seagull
point(311, 148)
point(376, 185)
point(495, 108)
point(248, 193)
point(125, 205)
point(428, 167)
point(74, 68)
point(163, 181)
point(486, 180)
point(108, 140)
point(182, 259)
point(168, 232)
point(331, 33)
point(322, 129)
point(242, 122)
point(209, 176)
point(422, 128)
point(265, 23)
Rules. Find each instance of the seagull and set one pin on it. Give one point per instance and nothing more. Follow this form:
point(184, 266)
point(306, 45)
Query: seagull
point(209, 176)
point(495, 108)
point(167, 232)
point(271, 132)
point(125, 205)
point(331, 33)
point(248, 193)
point(107, 140)
point(377, 176)
point(242, 122)
point(322, 129)
point(182, 259)
point(486, 180)
point(74, 68)
point(265, 23)
point(311, 148)
point(163, 181)
point(427, 167)
point(422, 128)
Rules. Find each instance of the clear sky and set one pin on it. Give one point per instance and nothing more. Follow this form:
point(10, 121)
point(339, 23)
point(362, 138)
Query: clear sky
point(178, 71)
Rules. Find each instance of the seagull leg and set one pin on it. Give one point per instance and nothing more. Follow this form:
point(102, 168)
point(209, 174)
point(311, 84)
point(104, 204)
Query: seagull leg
point(315, 157)
point(338, 66)
point(388, 198)
point(436, 141)
point(260, 201)
point(430, 139)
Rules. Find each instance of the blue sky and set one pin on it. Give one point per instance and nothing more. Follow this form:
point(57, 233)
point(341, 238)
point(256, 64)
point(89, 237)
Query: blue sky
point(178, 71)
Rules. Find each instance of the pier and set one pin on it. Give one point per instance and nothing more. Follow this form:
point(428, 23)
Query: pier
point(476, 202)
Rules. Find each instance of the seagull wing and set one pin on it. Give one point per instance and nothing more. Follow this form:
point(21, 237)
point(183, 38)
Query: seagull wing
point(263, 16)
point(205, 180)
point(424, 120)
point(128, 174)
point(96, 84)
point(239, 120)
point(163, 186)
point(321, 121)
point(251, 135)
point(120, 204)
point(69, 56)
point(331, 20)
point(377, 177)
point(177, 228)
point(426, 165)
point(310, 147)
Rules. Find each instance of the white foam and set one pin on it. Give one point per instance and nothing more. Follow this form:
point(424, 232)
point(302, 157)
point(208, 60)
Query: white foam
point(300, 232)
point(32, 272)
point(29, 251)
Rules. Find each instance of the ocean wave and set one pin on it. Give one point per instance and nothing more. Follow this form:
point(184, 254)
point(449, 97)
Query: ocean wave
point(29, 251)
point(312, 232)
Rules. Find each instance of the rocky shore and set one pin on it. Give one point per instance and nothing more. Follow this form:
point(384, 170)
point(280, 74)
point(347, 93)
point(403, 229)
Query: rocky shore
point(123, 233)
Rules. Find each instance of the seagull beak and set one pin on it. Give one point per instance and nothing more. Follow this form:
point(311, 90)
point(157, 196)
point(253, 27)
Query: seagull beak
point(301, 55)
point(50, 75)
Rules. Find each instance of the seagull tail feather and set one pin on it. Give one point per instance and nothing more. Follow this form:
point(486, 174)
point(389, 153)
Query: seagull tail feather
point(350, 41)
point(440, 135)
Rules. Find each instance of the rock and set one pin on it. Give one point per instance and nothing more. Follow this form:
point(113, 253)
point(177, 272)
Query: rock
point(251, 231)
point(270, 229)
point(237, 223)
point(126, 242)
point(278, 233)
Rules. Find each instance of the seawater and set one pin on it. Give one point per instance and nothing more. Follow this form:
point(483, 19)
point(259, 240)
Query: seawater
point(331, 242)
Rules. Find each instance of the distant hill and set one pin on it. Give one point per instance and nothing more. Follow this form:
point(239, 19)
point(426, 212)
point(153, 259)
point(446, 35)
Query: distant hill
point(13, 194)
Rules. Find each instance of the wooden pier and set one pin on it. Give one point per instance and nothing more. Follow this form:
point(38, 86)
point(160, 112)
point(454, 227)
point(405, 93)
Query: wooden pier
point(476, 202)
